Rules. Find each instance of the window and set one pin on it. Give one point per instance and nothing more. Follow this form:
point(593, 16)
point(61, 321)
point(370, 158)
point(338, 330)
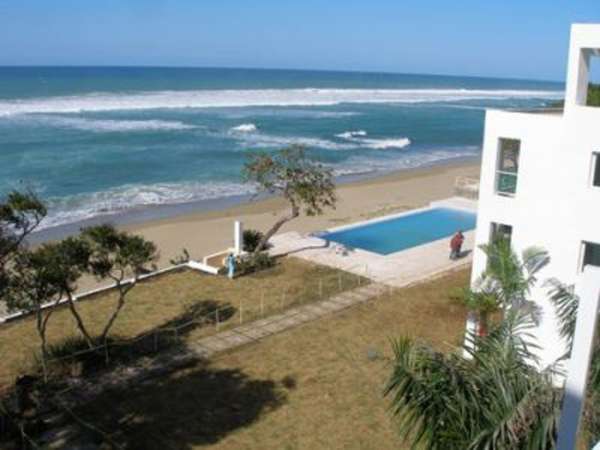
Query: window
point(591, 254)
point(508, 166)
point(500, 231)
point(592, 97)
point(596, 169)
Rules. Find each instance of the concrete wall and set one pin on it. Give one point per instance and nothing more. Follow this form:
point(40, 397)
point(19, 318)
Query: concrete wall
point(555, 205)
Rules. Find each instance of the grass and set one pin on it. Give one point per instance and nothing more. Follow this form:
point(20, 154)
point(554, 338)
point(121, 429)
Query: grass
point(318, 386)
point(171, 300)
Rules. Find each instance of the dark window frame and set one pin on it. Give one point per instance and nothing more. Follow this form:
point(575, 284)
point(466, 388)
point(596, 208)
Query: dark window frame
point(506, 176)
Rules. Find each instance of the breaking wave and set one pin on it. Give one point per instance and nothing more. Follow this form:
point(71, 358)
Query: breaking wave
point(80, 207)
point(76, 208)
point(352, 134)
point(273, 141)
point(359, 138)
point(245, 128)
point(362, 165)
point(105, 125)
point(103, 101)
point(381, 144)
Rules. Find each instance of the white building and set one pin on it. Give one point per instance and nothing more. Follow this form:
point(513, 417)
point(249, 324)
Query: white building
point(540, 183)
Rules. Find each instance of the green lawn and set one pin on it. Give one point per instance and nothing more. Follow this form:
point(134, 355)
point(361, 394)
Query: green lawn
point(317, 386)
point(172, 300)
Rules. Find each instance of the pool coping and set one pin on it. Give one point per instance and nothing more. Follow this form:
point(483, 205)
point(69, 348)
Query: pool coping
point(400, 268)
point(458, 203)
point(449, 203)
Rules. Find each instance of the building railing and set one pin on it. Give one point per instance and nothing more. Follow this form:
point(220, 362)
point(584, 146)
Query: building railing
point(467, 187)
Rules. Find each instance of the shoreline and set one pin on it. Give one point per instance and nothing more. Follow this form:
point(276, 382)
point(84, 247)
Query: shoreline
point(205, 232)
point(202, 232)
point(143, 215)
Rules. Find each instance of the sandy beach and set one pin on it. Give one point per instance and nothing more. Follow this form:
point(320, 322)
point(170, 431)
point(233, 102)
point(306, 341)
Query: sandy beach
point(206, 232)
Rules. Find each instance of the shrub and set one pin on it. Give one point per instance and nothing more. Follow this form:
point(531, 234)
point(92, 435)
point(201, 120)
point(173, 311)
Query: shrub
point(255, 262)
point(252, 239)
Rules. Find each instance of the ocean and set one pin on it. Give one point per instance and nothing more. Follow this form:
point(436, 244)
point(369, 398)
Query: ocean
point(99, 142)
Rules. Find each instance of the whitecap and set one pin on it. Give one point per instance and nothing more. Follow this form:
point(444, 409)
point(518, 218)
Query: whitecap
point(352, 134)
point(273, 141)
point(245, 128)
point(104, 125)
point(358, 137)
point(109, 101)
point(381, 144)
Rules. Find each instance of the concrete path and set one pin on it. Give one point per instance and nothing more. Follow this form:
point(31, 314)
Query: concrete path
point(277, 323)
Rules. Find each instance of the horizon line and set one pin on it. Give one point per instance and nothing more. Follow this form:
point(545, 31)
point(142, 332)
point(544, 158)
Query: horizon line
point(348, 71)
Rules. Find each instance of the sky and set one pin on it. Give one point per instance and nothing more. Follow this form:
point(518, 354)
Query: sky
point(497, 38)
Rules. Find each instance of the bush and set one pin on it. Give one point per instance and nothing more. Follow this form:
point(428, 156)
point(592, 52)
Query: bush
point(254, 263)
point(251, 239)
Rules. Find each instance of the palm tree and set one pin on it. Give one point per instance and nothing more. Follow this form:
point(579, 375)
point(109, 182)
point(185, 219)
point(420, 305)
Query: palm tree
point(489, 394)
point(566, 303)
point(509, 275)
point(493, 400)
point(483, 303)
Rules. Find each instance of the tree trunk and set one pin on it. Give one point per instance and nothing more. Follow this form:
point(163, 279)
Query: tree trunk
point(122, 293)
point(483, 324)
point(275, 228)
point(41, 329)
point(79, 321)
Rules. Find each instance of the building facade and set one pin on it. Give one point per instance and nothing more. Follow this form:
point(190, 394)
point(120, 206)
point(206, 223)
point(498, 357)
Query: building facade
point(540, 184)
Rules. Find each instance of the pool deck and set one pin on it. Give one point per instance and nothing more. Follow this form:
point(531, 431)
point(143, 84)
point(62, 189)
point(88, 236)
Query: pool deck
point(396, 269)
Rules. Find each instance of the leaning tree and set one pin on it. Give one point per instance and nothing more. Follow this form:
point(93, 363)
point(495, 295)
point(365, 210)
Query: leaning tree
point(305, 184)
point(116, 256)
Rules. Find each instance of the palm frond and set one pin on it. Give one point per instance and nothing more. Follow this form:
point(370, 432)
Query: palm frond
point(565, 303)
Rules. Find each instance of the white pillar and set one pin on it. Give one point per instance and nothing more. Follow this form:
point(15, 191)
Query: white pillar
point(588, 291)
point(238, 233)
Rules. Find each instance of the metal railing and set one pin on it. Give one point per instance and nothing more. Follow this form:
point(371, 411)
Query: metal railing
point(264, 302)
point(467, 187)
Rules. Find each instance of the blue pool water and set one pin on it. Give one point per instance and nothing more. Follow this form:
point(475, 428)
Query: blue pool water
point(394, 235)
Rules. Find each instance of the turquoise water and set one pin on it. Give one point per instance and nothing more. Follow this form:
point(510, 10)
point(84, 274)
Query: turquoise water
point(401, 233)
point(98, 141)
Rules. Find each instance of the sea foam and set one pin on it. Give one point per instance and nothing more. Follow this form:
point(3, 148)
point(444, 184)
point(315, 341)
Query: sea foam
point(352, 134)
point(245, 128)
point(80, 207)
point(358, 137)
point(103, 101)
point(104, 125)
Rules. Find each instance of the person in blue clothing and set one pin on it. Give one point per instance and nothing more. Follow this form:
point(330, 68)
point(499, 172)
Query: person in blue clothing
point(230, 266)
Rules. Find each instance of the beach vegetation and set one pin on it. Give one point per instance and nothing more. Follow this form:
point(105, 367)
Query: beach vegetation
point(251, 239)
point(182, 258)
point(255, 262)
point(304, 184)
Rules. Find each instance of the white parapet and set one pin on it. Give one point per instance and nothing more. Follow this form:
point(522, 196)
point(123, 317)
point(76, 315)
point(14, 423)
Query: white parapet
point(238, 233)
point(588, 291)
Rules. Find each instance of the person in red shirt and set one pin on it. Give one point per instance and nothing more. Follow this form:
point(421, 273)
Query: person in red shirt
point(456, 244)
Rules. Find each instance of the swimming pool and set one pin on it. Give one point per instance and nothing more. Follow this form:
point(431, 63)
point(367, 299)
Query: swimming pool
point(407, 231)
